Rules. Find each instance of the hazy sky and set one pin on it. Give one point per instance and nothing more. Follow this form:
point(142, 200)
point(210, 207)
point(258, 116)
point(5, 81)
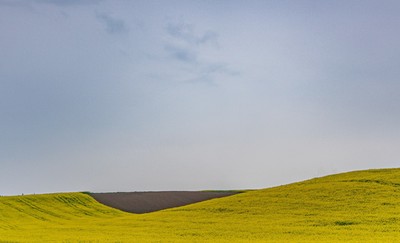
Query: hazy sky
point(189, 95)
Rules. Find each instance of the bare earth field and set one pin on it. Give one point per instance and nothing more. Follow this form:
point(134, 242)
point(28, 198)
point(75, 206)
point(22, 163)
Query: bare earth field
point(145, 202)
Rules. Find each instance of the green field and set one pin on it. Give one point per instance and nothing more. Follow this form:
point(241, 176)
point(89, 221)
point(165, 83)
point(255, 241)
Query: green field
point(361, 206)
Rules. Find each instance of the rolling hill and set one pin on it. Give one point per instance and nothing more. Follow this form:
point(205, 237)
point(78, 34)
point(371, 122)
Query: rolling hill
point(360, 206)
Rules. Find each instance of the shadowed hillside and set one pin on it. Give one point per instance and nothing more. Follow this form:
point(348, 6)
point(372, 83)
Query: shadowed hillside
point(356, 206)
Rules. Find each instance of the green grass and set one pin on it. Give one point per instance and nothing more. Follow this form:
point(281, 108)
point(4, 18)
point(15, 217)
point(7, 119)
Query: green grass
point(361, 206)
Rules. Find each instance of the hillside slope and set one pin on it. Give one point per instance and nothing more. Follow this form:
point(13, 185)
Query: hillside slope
point(356, 206)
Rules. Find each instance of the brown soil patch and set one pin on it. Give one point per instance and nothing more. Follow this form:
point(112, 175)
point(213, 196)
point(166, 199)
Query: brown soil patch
point(145, 202)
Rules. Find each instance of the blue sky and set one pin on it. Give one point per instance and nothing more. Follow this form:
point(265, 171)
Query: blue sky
point(190, 95)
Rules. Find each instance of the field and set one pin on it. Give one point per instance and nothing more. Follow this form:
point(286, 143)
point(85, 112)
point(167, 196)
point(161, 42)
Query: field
point(360, 206)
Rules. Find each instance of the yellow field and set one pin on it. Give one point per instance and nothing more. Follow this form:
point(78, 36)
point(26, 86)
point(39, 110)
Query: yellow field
point(361, 206)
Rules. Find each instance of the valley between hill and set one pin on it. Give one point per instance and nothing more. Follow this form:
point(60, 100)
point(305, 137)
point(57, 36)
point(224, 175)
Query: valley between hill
point(359, 206)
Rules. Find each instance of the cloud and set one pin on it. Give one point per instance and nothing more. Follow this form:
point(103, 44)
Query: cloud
point(186, 33)
point(193, 49)
point(112, 25)
point(208, 73)
point(181, 54)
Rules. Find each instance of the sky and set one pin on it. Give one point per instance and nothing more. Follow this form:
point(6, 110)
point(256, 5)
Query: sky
point(192, 95)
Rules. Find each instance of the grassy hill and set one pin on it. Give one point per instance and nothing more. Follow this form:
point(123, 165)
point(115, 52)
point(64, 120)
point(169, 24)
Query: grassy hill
point(357, 206)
